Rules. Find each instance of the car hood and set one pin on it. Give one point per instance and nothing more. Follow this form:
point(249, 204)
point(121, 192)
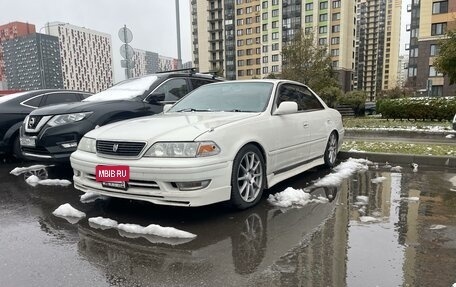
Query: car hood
point(76, 107)
point(167, 127)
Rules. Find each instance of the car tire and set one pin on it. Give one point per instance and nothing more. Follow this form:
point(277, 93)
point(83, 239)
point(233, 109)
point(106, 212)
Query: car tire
point(248, 177)
point(17, 152)
point(331, 150)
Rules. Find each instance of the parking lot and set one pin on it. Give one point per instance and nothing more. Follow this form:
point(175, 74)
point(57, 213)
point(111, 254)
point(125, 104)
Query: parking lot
point(396, 231)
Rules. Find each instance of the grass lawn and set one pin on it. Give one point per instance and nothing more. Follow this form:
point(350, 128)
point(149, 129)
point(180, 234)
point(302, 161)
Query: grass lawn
point(403, 148)
point(372, 122)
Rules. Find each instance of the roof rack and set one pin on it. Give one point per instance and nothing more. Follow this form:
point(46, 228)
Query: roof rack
point(213, 74)
point(191, 70)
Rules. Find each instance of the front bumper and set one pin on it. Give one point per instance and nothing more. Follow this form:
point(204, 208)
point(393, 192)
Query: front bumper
point(50, 140)
point(153, 179)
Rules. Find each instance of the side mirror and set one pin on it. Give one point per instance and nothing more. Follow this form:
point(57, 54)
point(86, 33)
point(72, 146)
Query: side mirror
point(167, 107)
point(156, 99)
point(286, 108)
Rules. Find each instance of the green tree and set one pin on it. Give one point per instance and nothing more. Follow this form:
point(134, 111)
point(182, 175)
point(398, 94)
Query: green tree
point(330, 95)
point(306, 62)
point(394, 93)
point(446, 61)
point(356, 100)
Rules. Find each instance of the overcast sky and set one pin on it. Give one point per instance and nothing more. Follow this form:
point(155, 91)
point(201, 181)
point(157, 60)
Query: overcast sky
point(152, 22)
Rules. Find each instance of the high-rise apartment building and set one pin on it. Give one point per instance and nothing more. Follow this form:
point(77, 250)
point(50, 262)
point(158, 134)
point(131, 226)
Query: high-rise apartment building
point(145, 63)
point(8, 32)
point(86, 57)
point(402, 68)
point(166, 63)
point(377, 45)
point(244, 38)
point(33, 62)
point(430, 19)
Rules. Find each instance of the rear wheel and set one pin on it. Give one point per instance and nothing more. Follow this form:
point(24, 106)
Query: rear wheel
point(248, 177)
point(331, 150)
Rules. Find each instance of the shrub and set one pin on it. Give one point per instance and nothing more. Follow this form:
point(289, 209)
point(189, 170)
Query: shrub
point(423, 108)
point(330, 95)
point(355, 100)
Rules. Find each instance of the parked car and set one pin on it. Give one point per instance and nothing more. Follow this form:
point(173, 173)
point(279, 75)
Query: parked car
point(53, 133)
point(224, 141)
point(15, 107)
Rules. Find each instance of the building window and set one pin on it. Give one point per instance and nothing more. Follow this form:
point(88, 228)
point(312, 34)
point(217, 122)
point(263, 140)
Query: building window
point(334, 52)
point(248, 31)
point(239, 11)
point(248, 10)
point(275, 46)
point(265, 38)
point(240, 43)
point(275, 35)
point(258, 30)
point(335, 64)
point(275, 68)
point(249, 41)
point(322, 29)
point(308, 19)
point(265, 59)
point(323, 17)
point(265, 70)
point(275, 24)
point(275, 13)
point(275, 58)
point(249, 72)
point(265, 49)
point(265, 27)
point(275, 2)
point(336, 4)
point(248, 20)
point(258, 71)
point(241, 73)
point(322, 41)
point(435, 50)
point(336, 16)
point(437, 91)
point(239, 2)
point(412, 72)
point(258, 61)
point(323, 5)
point(433, 72)
point(264, 4)
point(335, 40)
point(440, 7)
point(258, 51)
point(308, 30)
point(335, 28)
point(240, 63)
point(240, 22)
point(239, 32)
point(309, 6)
point(438, 29)
point(264, 16)
point(249, 51)
point(240, 53)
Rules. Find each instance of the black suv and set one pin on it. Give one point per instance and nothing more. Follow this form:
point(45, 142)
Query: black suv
point(15, 107)
point(53, 133)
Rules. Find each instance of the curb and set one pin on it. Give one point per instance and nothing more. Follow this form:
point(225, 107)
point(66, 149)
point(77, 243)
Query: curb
point(404, 134)
point(440, 161)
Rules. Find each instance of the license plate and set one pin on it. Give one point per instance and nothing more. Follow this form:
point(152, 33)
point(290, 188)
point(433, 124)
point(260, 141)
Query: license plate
point(28, 141)
point(118, 185)
point(112, 173)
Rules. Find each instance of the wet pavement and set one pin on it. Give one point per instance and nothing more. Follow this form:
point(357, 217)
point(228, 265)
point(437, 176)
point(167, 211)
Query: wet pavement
point(320, 244)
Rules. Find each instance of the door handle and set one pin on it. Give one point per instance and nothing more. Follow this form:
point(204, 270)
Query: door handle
point(305, 125)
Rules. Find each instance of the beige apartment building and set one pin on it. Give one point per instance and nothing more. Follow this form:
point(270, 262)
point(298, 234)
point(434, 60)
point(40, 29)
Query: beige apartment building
point(430, 20)
point(244, 38)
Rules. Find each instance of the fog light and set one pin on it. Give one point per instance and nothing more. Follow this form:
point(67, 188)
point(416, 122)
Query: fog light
point(76, 172)
point(192, 185)
point(69, 145)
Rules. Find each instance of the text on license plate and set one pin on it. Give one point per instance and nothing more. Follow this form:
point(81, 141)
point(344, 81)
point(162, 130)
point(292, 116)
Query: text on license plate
point(112, 173)
point(27, 141)
point(119, 185)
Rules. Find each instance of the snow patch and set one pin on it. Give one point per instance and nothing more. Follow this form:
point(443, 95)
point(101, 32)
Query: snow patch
point(396, 168)
point(362, 199)
point(413, 198)
point(69, 212)
point(20, 170)
point(33, 180)
point(355, 150)
point(367, 219)
point(89, 197)
point(450, 136)
point(437, 227)
point(415, 167)
point(154, 229)
point(102, 223)
point(378, 179)
point(294, 197)
point(343, 171)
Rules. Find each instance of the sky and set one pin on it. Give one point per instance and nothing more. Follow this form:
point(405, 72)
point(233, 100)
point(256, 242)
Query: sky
point(152, 22)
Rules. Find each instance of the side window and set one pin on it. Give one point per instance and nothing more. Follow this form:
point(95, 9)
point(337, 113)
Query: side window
point(84, 96)
point(172, 90)
point(52, 99)
point(34, 102)
point(196, 83)
point(287, 93)
point(310, 102)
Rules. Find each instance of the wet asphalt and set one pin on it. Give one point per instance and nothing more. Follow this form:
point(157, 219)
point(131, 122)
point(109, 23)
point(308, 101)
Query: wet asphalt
point(320, 244)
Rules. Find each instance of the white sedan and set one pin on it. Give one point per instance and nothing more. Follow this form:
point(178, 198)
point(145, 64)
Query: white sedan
point(223, 141)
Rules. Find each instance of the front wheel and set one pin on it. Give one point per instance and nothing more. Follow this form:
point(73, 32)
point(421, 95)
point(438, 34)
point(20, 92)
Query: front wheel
point(248, 177)
point(331, 150)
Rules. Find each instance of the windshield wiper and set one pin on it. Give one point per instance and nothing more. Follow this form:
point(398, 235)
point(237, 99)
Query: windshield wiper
point(193, 110)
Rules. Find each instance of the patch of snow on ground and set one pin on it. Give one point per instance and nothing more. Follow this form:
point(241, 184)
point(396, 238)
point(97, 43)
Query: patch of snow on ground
point(294, 197)
point(396, 168)
point(367, 219)
point(20, 170)
point(363, 199)
point(355, 150)
point(103, 222)
point(437, 227)
point(450, 136)
point(413, 198)
point(33, 180)
point(91, 197)
point(154, 229)
point(378, 179)
point(434, 129)
point(343, 171)
point(66, 210)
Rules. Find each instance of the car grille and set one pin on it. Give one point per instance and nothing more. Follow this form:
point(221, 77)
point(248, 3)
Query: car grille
point(131, 149)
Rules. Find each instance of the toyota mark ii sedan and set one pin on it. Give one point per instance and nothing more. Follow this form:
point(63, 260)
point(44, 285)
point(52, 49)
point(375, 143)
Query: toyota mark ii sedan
point(225, 141)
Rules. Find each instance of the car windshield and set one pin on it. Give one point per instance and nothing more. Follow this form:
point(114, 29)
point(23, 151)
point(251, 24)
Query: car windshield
point(125, 90)
point(229, 97)
point(11, 96)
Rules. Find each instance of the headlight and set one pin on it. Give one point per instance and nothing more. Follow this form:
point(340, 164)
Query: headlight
point(88, 145)
point(59, 120)
point(183, 149)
